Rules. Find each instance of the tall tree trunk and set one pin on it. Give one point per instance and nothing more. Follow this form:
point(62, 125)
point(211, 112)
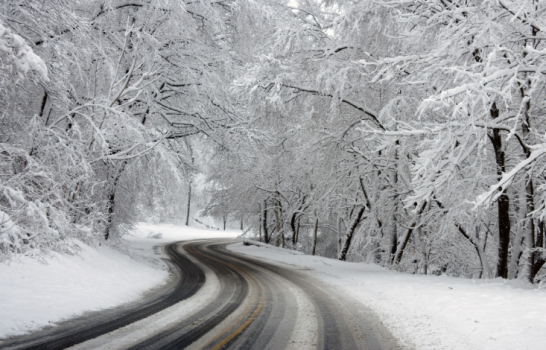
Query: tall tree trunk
point(189, 203)
point(541, 259)
point(423, 247)
point(393, 235)
point(43, 105)
point(264, 221)
point(540, 235)
point(225, 221)
point(111, 202)
point(112, 199)
point(277, 224)
point(350, 234)
point(479, 245)
point(315, 237)
point(397, 256)
point(521, 254)
point(503, 202)
point(529, 253)
point(393, 224)
point(190, 181)
point(293, 227)
point(519, 236)
point(260, 228)
point(339, 236)
point(297, 231)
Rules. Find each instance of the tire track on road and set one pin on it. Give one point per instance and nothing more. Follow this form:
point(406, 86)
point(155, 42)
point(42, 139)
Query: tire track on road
point(250, 304)
point(187, 281)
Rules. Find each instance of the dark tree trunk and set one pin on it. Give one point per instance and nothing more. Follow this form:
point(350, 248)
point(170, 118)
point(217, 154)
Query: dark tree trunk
point(393, 224)
point(189, 202)
point(315, 237)
point(503, 202)
point(540, 259)
point(42, 106)
point(400, 251)
point(393, 236)
point(266, 235)
point(190, 177)
point(298, 230)
point(294, 230)
point(540, 235)
point(480, 250)
point(350, 234)
point(112, 200)
point(260, 229)
point(405, 239)
point(294, 221)
point(278, 224)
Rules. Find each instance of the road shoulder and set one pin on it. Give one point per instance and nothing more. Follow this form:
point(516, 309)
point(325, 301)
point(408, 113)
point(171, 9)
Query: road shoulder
point(428, 312)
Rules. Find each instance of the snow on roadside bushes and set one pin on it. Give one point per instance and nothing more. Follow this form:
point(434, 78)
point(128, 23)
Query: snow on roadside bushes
point(431, 312)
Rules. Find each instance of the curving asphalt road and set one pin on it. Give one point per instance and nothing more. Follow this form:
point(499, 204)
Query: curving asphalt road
point(218, 299)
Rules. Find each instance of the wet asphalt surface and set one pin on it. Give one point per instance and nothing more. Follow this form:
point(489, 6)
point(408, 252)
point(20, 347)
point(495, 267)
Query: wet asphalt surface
point(255, 308)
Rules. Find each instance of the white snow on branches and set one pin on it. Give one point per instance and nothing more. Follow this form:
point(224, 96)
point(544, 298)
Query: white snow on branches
point(20, 54)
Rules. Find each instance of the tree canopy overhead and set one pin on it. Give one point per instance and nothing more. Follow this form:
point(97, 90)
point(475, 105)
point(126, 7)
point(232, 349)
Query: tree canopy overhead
point(407, 133)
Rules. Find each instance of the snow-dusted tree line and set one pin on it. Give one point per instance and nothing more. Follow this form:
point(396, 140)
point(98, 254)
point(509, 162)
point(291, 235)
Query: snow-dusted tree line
point(99, 100)
point(410, 133)
point(405, 132)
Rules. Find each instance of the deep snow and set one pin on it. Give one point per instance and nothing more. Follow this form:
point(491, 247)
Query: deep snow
point(431, 312)
point(35, 294)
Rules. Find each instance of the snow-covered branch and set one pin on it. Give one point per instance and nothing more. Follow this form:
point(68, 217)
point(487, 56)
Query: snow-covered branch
point(507, 178)
point(20, 54)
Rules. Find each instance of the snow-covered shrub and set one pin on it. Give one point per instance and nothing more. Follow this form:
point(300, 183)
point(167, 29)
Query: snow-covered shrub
point(155, 235)
point(10, 234)
point(17, 57)
point(35, 214)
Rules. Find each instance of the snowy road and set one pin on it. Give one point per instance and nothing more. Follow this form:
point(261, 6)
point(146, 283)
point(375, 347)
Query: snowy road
point(219, 299)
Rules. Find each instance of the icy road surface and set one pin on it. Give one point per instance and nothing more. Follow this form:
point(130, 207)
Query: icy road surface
point(218, 299)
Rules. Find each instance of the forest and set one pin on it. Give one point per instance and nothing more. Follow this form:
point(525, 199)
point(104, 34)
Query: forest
point(405, 133)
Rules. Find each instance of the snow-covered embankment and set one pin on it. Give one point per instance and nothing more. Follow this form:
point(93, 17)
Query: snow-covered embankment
point(431, 312)
point(35, 294)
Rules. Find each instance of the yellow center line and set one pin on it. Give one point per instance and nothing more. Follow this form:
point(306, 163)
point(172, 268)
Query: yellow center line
point(250, 318)
point(241, 327)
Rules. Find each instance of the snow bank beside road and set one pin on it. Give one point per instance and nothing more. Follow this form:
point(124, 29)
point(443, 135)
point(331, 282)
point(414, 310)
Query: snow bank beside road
point(430, 312)
point(170, 233)
point(34, 294)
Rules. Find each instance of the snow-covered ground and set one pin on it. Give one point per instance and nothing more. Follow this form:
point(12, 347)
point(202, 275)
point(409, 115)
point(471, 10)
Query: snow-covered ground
point(35, 294)
point(431, 312)
point(170, 233)
point(423, 312)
